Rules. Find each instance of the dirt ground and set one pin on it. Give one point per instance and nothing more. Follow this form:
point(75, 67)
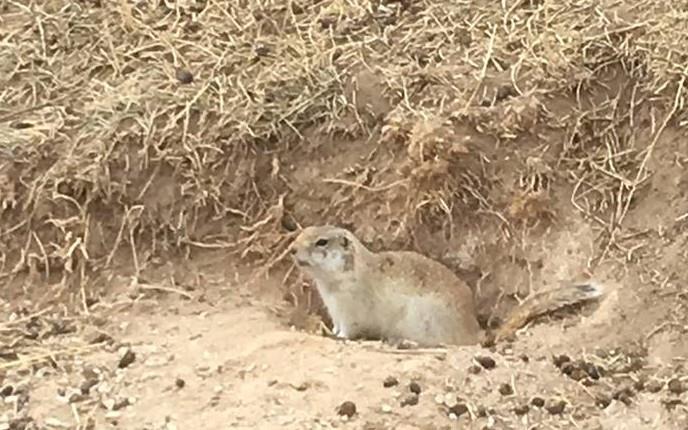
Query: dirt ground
point(157, 158)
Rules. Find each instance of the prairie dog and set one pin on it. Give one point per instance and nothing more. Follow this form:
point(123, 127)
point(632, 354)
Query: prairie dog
point(402, 296)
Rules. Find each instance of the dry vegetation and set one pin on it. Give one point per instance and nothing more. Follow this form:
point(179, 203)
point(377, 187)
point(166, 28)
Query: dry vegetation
point(138, 132)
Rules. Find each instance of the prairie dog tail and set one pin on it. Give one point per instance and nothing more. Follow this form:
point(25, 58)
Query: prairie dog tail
point(545, 302)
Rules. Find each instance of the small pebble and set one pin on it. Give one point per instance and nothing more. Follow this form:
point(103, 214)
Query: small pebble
point(592, 370)
point(578, 374)
point(126, 360)
point(302, 387)
point(475, 369)
point(654, 386)
point(458, 409)
point(624, 394)
point(87, 385)
point(521, 409)
point(537, 402)
point(347, 409)
point(390, 381)
point(179, 383)
point(76, 397)
point(506, 390)
point(386, 409)
point(556, 407)
point(559, 360)
point(121, 404)
point(410, 399)
point(7, 390)
point(567, 368)
point(675, 386)
point(414, 387)
point(671, 404)
point(184, 76)
point(485, 361)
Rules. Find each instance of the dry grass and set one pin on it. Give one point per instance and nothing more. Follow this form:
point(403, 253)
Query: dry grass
point(109, 145)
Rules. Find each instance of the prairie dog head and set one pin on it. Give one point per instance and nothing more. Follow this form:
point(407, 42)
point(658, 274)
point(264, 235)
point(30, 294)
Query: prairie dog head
point(325, 252)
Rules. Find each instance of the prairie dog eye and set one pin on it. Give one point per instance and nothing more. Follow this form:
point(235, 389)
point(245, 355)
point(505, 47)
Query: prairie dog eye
point(321, 242)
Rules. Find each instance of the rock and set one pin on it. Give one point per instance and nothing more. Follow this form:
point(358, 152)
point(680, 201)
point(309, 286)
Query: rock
point(506, 390)
point(624, 394)
point(521, 409)
point(414, 387)
point(458, 409)
point(537, 402)
point(555, 407)
point(410, 399)
point(390, 381)
point(654, 386)
point(86, 386)
point(676, 386)
point(347, 409)
point(486, 362)
point(475, 369)
point(184, 76)
point(127, 359)
point(559, 360)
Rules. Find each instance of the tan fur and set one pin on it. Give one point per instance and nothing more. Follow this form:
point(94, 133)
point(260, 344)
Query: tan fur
point(403, 296)
point(545, 302)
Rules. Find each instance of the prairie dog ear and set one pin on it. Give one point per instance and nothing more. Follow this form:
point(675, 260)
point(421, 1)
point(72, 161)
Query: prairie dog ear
point(345, 242)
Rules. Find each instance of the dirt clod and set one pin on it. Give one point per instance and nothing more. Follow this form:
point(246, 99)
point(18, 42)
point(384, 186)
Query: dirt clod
point(521, 409)
point(127, 359)
point(23, 423)
point(560, 360)
point(390, 381)
point(184, 76)
point(624, 394)
point(537, 402)
point(120, 404)
point(592, 370)
point(654, 386)
point(414, 387)
point(506, 389)
point(7, 390)
point(676, 386)
point(486, 362)
point(347, 409)
point(179, 383)
point(555, 406)
point(474, 369)
point(86, 386)
point(458, 409)
point(672, 404)
point(410, 399)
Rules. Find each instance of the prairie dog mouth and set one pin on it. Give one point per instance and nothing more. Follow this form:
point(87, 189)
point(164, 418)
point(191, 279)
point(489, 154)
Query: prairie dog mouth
point(302, 263)
point(299, 260)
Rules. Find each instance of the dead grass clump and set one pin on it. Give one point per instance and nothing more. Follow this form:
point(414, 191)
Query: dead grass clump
point(164, 126)
point(440, 167)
